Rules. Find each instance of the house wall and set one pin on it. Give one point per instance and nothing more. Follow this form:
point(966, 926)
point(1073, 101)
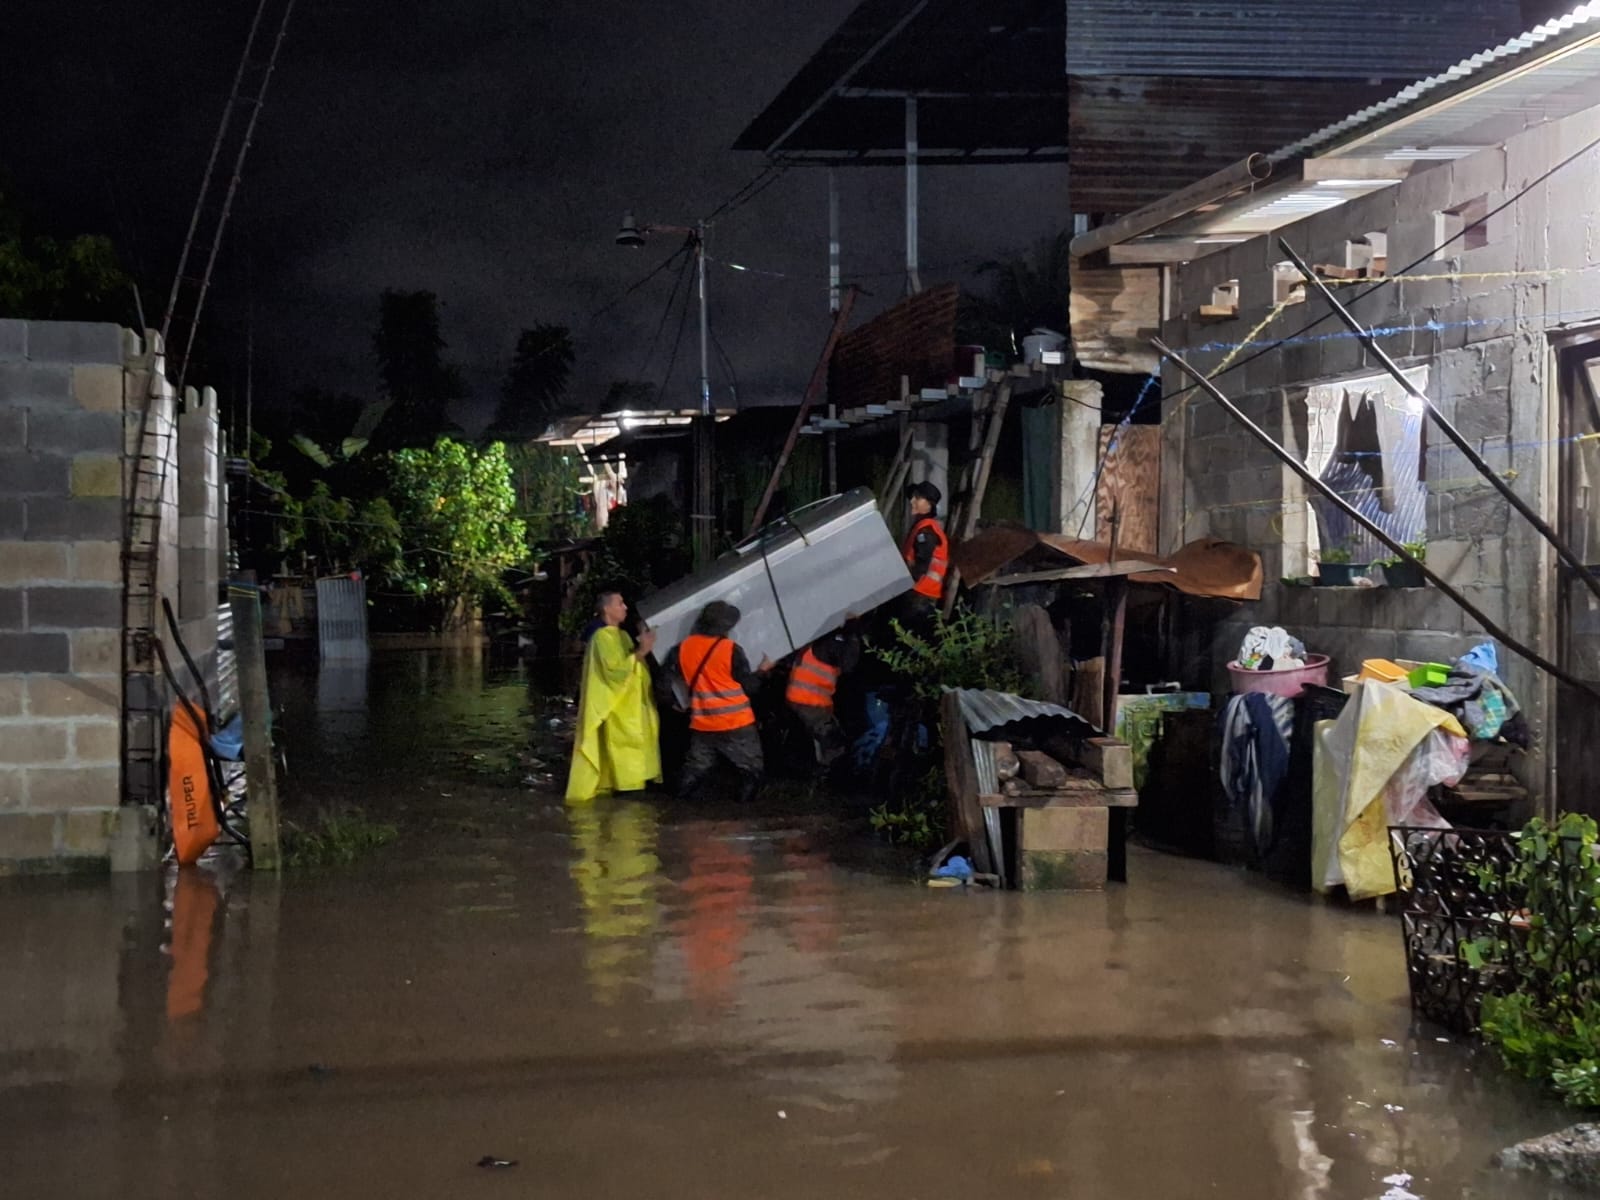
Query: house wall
point(66, 402)
point(1483, 332)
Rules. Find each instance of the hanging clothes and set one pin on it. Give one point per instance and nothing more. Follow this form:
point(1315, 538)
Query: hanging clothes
point(1255, 759)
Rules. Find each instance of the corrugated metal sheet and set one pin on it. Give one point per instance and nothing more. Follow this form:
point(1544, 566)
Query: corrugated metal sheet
point(342, 618)
point(987, 711)
point(227, 664)
point(1136, 139)
point(1287, 39)
point(1496, 108)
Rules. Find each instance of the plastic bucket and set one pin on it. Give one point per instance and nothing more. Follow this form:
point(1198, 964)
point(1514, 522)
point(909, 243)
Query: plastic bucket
point(1040, 340)
point(1287, 682)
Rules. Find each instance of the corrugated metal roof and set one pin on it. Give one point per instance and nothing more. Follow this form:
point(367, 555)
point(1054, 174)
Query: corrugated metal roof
point(1135, 139)
point(986, 711)
point(1497, 108)
point(1329, 39)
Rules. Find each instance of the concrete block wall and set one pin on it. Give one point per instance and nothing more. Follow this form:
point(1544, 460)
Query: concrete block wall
point(61, 406)
point(1483, 329)
point(70, 399)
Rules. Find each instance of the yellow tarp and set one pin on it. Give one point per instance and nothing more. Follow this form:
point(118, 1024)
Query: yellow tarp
point(1355, 759)
point(617, 747)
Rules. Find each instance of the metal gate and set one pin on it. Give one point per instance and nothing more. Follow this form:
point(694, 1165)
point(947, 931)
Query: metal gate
point(342, 618)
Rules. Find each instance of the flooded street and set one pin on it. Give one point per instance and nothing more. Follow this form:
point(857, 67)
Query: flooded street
point(629, 1001)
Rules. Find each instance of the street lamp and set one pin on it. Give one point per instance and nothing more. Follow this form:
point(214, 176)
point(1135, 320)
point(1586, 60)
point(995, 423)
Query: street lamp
point(633, 235)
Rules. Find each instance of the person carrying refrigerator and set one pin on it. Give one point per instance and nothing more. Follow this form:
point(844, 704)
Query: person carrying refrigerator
point(719, 683)
point(813, 681)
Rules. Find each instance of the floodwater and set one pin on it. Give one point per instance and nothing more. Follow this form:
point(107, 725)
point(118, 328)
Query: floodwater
point(632, 1001)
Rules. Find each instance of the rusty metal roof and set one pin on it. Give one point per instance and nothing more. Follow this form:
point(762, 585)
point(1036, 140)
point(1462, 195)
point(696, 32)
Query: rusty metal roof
point(989, 80)
point(1286, 39)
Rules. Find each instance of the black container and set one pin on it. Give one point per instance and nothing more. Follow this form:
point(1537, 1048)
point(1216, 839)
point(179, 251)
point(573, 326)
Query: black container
point(1404, 575)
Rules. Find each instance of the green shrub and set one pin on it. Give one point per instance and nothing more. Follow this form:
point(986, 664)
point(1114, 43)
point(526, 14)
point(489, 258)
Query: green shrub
point(1545, 1019)
point(334, 838)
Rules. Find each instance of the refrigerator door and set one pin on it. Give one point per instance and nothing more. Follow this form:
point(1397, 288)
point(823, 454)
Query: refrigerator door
point(796, 579)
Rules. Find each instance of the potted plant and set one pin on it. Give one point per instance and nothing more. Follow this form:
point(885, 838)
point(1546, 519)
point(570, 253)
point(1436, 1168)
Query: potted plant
point(1334, 568)
point(1398, 573)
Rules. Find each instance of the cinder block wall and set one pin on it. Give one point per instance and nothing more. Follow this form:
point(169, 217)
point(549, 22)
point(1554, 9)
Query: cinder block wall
point(1483, 332)
point(61, 436)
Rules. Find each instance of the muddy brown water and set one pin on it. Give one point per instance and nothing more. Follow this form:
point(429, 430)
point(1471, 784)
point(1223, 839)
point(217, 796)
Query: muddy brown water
point(630, 1000)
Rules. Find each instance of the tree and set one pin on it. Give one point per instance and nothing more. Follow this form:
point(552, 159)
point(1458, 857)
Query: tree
point(535, 384)
point(42, 279)
point(457, 507)
point(1024, 294)
point(417, 383)
point(547, 483)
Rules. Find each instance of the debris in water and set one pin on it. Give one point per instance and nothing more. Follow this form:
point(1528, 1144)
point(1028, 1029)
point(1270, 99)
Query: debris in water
point(1393, 1108)
point(490, 1162)
point(782, 1116)
point(1445, 1040)
point(1387, 1042)
point(1399, 1179)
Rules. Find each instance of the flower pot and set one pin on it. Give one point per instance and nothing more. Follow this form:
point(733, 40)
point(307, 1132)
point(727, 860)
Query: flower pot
point(1404, 575)
point(1339, 574)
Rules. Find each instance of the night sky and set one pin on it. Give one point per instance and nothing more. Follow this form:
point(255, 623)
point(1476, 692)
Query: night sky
point(484, 150)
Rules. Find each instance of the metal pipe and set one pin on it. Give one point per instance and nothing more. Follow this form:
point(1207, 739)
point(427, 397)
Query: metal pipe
point(1243, 174)
point(913, 276)
point(833, 241)
point(1579, 567)
point(1371, 527)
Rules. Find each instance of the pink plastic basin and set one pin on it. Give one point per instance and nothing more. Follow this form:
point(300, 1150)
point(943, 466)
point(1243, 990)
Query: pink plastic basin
point(1280, 683)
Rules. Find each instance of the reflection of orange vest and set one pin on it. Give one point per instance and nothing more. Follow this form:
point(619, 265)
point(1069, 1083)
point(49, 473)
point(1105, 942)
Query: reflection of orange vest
point(930, 585)
point(717, 703)
point(812, 681)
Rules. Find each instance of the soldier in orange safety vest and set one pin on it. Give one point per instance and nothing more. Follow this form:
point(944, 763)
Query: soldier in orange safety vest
point(927, 553)
point(719, 682)
point(813, 681)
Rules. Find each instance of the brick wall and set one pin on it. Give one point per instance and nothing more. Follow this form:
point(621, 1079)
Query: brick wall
point(1483, 331)
point(64, 438)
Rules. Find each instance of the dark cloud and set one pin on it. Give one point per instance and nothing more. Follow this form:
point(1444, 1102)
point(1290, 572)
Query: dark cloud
point(483, 149)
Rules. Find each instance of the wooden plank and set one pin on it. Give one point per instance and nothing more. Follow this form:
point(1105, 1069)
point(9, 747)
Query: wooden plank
point(1082, 798)
point(1130, 484)
point(255, 707)
point(961, 782)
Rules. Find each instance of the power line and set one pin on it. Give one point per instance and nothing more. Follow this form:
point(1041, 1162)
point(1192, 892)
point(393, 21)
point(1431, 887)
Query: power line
point(638, 283)
point(672, 296)
point(677, 342)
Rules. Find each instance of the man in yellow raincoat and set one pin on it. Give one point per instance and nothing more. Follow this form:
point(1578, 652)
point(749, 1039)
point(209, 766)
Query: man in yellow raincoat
point(617, 746)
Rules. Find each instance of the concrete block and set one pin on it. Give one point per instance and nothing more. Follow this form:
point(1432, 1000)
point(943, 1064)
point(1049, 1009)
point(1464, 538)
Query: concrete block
point(1491, 601)
point(95, 743)
point(94, 562)
point(64, 431)
point(98, 389)
point(1480, 174)
point(27, 837)
point(11, 693)
point(89, 832)
point(34, 652)
point(1483, 514)
point(97, 475)
point(13, 429)
point(25, 474)
point(24, 385)
point(58, 789)
point(95, 652)
point(1065, 829)
point(26, 743)
point(32, 562)
point(1491, 316)
point(13, 791)
point(1435, 647)
point(1069, 870)
point(1485, 417)
point(13, 518)
point(133, 841)
point(74, 342)
point(75, 697)
point(13, 339)
point(72, 520)
point(74, 608)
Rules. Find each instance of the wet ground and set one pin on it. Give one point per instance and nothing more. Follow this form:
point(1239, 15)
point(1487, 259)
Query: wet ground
point(628, 1000)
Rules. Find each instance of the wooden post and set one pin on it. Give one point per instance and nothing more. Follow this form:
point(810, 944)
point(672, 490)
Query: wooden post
point(973, 509)
point(1116, 620)
point(255, 706)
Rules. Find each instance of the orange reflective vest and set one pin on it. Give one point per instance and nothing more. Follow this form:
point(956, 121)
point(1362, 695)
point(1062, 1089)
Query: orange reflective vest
point(931, 584)
point(812, 682)
point(717, 703)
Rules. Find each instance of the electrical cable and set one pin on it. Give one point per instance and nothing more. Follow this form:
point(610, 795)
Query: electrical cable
point(677, 343)
point(672, 296)
point(637, 284)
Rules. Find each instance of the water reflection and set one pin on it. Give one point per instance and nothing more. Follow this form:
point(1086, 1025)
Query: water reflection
point(616, 872)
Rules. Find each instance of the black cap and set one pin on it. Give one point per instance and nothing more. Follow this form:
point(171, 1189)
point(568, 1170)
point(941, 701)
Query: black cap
point(927, 491)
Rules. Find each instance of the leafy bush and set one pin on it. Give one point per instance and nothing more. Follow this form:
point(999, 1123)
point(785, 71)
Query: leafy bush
point(964, 650)
point(1546, 1025)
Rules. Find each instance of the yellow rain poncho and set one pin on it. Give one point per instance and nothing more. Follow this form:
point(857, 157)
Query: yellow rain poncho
point(617, 747)
point(1372, 768)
